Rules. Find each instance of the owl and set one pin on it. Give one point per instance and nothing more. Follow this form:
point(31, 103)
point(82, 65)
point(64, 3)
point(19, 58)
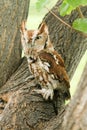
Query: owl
point(45, 64)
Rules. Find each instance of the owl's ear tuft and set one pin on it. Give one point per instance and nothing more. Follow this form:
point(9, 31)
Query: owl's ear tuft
point(43, 28)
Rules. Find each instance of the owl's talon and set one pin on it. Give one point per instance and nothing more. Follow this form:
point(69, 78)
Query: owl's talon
point(46, 93)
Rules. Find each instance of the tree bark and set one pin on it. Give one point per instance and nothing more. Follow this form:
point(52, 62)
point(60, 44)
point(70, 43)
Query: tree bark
point(11, 14)
point(76, 115)
point(20, 107)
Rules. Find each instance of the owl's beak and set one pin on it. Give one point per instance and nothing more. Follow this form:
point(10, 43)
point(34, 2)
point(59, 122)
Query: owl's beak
point(33, 42)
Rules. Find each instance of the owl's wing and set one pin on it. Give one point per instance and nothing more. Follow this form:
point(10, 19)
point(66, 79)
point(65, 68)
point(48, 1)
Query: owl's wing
point(58, 58)
point(56, 68)
point(56, 64)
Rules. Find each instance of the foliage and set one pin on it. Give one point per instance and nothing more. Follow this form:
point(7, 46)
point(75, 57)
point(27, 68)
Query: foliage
point(66, 8)
point(69, 5)
point(80, 24)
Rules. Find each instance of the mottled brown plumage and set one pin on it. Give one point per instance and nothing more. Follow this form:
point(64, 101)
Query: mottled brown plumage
point(45, 64)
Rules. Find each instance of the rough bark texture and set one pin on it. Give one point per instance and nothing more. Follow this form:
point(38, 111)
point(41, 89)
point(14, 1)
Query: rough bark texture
point(20, 107)
point(76, 115)
point(11, 14)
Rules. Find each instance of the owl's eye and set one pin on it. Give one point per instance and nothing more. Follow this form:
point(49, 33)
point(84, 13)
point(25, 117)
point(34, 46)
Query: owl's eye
point(38, 37)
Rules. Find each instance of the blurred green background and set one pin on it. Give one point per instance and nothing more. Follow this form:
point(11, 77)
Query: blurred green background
point(34, 19)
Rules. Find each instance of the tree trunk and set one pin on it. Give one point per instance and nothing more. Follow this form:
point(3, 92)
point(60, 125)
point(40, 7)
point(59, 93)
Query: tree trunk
point(76, 115)
point(11, 14)
point(20, 107)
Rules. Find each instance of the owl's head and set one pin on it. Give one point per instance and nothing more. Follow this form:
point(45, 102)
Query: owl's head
point(41, 38)
point(38, 39)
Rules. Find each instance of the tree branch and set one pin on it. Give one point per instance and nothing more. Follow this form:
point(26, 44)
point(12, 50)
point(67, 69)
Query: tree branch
point(80, 12)
point(59, 18)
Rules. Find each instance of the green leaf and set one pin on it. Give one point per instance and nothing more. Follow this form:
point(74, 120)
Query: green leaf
point(69, 5)
point(80, 24)
point(40, 4)
point(65, 8)
point(76, 3)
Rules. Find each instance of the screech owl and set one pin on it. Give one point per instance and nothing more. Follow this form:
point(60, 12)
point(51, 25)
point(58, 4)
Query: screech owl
point(45, 64)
